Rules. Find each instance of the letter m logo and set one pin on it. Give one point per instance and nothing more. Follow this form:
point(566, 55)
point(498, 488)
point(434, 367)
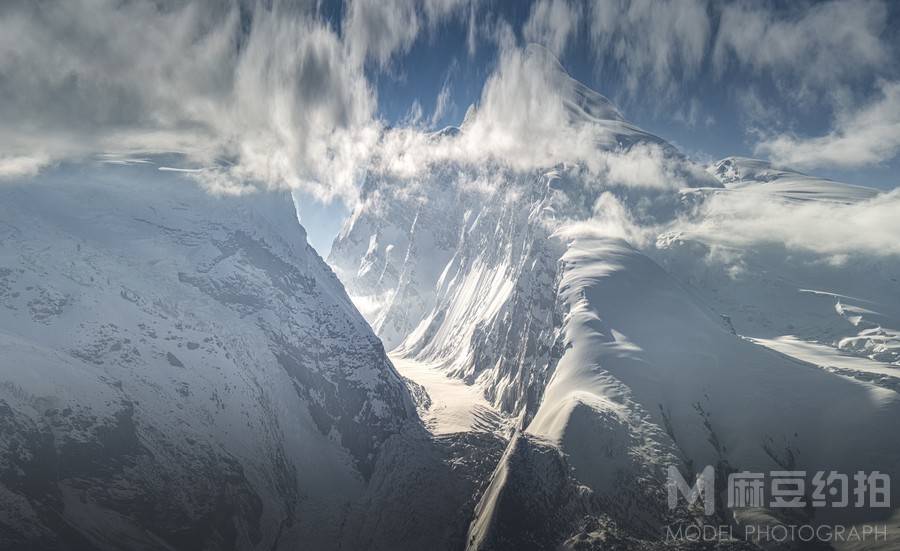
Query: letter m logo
point(705, 486)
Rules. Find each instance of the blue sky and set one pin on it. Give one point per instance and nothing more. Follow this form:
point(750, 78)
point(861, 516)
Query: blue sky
point(301, 94)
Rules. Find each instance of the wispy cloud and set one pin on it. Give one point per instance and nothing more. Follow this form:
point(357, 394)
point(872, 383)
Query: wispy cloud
point(864, 136)
point(276, 91)
point(378, 29)
point(656, 44)
point(807, 51)
point(274, 95)
point(552, 23)
point(531, 116)
point(273, 90)
point(820, 57)
point(738, 219)
point(441, 104)
point(21, 166)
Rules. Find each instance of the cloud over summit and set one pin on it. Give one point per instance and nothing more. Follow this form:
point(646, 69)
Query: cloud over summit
point(283, 94)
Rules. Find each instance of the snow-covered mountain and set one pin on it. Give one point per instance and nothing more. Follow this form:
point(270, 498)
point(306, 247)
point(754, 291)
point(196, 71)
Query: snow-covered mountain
point(624, 333)
point(179, 371)
point(845, 299)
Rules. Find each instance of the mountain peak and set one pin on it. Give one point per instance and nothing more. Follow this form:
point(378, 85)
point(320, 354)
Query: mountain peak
point(581, 101)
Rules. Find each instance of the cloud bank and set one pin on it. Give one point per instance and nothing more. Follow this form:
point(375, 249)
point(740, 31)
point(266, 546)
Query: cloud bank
point(268, 96)
point(730, 219)
point(274, 94)
point(252, 94)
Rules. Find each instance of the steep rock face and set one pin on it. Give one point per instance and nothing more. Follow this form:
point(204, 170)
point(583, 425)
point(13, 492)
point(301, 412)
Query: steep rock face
point(381, 252)
point(491, 317)
point(532, 501)
point(178, 371)
point(423, 492)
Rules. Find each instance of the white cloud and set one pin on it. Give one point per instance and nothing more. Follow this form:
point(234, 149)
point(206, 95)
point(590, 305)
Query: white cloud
point(817, 54)
point(413, 117)
point(533, 116)
point(521, 121)
point(648, 165)
point(271, 97)
point(665, 44)
point(818, 47)
point(267, 95)
point(865, 136)
point(692, 114)
point(437, 11)
point(21, 167)
point(275, 96)
point(611, 218)
point(751, 219)
point(759, 115)
point(552, 23)
point(471, 31)
point(441, 104)
point(378, 28)
point(302, 113)
point(653, 43)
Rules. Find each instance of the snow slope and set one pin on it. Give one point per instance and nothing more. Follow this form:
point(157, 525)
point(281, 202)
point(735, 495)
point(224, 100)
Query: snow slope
point(178, 370)
point(754, 175)
point(827, 357)
point(769, 289)
point(634, 335)
point(651, 377)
